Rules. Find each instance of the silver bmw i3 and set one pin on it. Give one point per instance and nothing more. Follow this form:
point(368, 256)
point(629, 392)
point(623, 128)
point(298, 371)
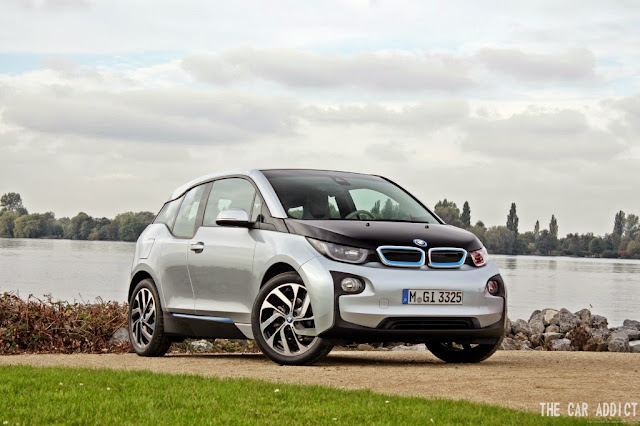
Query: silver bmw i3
point(300, 260)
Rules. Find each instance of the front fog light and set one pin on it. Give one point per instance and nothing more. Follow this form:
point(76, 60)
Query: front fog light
point(351, 285)
point(493, 287)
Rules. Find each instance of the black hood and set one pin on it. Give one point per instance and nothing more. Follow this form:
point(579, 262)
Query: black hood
point(373, 234)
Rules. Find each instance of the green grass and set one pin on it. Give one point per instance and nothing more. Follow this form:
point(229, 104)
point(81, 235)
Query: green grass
point(32, 395)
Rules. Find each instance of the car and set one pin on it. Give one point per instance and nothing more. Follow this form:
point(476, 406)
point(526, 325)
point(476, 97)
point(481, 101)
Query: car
point(302, 260)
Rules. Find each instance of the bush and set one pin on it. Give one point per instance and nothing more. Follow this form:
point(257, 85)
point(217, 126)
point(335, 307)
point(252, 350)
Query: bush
point(34, 325)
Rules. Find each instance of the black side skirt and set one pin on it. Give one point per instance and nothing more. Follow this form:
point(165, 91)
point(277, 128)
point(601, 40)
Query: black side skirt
point(204, 328)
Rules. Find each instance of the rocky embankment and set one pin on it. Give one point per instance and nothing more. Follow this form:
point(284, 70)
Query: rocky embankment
point(563, 330)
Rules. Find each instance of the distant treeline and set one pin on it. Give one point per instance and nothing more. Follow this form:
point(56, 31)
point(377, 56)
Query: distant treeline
point(622, 242)
point(16, 222)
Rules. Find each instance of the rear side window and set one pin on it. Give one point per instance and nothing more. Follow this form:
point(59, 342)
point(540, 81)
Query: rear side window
point(185, 226)
point(168, 213)
point(232, 193)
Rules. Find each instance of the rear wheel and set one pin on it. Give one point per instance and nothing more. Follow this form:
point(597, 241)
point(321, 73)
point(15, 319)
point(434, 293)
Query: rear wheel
point(453, 352)
point(283, 323)
point(146, 328)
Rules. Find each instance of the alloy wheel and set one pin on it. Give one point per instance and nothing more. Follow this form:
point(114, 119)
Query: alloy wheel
point(143, 318)
point(286, 320)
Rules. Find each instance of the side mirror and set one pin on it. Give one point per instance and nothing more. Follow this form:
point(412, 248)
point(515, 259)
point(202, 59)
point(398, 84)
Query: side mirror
point(233, 217)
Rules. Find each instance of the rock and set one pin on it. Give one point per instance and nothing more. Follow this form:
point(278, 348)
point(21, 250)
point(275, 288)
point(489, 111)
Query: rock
point(364, 347)
point(561, 345)
point(120, 336)
point(552, 329)
point(521, 326)
point(584, 315)
point(200, 346)
point(565, 320)
point(603, 333)
point(634, 346)
point(632, 333)
point(550, 337)
point(547, 315)
point(595, 344)
point(631, 324)
point(509, 344)
point(618, 342)
point(521, 337)
point(508, 328)
point(598, 321)
point(536, 326)
point(537, 340)
point(536, 315)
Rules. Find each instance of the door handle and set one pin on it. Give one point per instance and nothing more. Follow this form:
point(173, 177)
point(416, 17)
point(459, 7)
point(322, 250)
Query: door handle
point(197, 247)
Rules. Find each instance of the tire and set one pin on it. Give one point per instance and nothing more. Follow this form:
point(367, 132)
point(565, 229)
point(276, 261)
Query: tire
point(452, 352)
point(282, 314)
point(146, 326)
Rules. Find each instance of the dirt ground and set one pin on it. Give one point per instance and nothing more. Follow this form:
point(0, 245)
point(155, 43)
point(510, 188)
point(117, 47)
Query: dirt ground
point(514, 379)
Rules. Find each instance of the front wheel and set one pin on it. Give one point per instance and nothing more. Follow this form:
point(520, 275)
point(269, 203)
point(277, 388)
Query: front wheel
point(464, 353)
point(146, 328)
point(283, 322)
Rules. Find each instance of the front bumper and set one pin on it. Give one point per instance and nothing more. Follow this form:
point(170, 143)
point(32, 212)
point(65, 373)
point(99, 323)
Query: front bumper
point(378, 315)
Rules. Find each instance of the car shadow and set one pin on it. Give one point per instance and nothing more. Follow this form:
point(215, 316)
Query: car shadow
point(359, 359)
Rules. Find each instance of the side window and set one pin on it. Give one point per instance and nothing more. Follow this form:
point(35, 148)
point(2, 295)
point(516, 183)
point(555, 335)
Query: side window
point(168, 213)
point(257, 208)
point(232, 193)
point(185, 226)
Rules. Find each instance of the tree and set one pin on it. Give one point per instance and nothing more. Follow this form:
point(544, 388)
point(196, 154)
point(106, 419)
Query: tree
point(553, 227)
point(546, 243)
point(596, 246)
point(465, 217)
point(512, 219)
point(633, 249)
point(7, 219)
point(618, 229)
point(80, 227)
point(479, 230)
point(375, 210)
point(499, 239)
point(12, 201)
point(387, 210)
point(449, 212)
point(536, 230)
point(632, 227)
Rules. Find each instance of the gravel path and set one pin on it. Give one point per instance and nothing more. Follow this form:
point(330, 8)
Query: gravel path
point(510, 378)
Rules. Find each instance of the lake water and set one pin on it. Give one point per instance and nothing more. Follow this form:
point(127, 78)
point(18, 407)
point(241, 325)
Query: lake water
point(86, 270)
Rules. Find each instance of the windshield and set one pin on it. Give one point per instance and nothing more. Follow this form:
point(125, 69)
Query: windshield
point(325, 195)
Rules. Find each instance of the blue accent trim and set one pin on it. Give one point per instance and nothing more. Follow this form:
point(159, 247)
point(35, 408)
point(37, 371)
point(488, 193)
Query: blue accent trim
point(458, 264)
point(401, 263)
point(203, 317)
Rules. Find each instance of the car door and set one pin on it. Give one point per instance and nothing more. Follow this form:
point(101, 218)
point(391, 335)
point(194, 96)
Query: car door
point(173, 270)
point(221, 272)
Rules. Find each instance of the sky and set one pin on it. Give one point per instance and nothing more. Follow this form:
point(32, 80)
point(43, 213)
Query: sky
point(108, 106)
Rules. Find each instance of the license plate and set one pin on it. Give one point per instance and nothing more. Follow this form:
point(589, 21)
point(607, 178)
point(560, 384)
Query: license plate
point(431, 297)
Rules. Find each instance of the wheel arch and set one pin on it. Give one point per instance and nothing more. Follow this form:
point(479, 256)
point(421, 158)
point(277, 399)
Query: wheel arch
point(139, 275)
point(275, 270)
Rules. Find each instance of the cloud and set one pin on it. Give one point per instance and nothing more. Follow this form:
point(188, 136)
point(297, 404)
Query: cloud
point(541, 137)
point(628, 121)
point(379, 72)
point(156, 115)
point(568, 66)
point(430, 115)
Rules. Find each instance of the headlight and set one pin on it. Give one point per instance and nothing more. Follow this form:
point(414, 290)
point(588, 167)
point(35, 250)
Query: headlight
point(479, 257)
point(339, 252)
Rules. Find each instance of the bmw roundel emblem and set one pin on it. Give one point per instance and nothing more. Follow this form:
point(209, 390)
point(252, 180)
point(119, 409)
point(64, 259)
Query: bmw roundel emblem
point(419, 242)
